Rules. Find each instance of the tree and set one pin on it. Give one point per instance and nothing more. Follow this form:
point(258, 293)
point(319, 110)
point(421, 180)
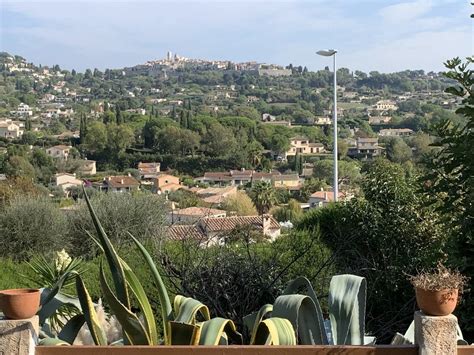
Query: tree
point(30, 226)
point(342, 148)
point(219, 141)
point(450, 180)
point(19, 166)
point(96, 139)
point(141, 214)
point(28, 124)
point(398, 151)
point(240, 204)
point(119, 138)
point(83, 128)
point(298, 163)
point(176, 141)
point(349, 171)
point(263, 196)
point(291, 212)
point(118, 115)
point(383, 236)
point(279, 143)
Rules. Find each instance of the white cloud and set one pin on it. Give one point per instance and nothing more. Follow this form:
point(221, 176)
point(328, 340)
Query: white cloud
point(424, 50)
point(405, 11)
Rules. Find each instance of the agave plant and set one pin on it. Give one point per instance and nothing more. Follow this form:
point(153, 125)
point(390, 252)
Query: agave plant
point(293, 319)
point(181, 323)
point(298, 319)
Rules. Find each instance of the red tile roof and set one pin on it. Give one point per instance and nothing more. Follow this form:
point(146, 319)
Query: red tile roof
point(121, 181)
point(215, 224)
point(182, 232)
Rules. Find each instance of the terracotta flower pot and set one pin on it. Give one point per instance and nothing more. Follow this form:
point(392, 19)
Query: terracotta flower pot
point(437, 303)
point(21, 303)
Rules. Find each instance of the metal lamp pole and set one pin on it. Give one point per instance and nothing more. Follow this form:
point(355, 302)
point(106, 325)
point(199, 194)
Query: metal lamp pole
point(329, 53)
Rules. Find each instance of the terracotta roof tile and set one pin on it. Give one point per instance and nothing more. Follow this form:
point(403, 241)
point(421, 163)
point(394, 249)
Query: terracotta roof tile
point(182, 232)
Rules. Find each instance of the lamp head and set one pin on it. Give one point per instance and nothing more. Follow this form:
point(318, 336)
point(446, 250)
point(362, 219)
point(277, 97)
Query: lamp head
point(327, 52)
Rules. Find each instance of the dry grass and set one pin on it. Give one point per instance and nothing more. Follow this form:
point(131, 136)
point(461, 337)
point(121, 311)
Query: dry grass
point(441, 278)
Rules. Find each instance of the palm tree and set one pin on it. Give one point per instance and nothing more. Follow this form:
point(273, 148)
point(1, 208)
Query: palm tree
point(263, 196)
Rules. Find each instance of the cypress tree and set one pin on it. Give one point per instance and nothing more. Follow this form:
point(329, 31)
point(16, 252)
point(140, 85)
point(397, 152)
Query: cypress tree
point(189, 118)
point(182, 118)
point(298, 163)
point(173, 113)
point(28, 124)
point(118, 115)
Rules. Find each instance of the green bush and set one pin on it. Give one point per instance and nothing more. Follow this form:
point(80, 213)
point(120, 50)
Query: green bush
point(31, 225)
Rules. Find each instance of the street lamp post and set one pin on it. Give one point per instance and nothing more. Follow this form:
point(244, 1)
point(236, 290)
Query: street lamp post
point(329, 53)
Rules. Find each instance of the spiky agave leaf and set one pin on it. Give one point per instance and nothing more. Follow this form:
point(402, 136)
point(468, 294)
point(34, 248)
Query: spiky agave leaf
point(145, 307)
point(253, 320)
point(187, 308)
point(112, 257)
point(302, 283)
point(347, 298)
point(300, 310)
point(165, 303)
point(216, 331)
point(133, 329)
point(90, 315)
point(274, 331)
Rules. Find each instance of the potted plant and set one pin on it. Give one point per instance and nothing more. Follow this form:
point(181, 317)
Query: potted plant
point(438, 292)
point(21, 303)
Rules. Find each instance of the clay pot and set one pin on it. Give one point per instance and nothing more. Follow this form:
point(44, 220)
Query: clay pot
point(437, 303)
point(21, 303)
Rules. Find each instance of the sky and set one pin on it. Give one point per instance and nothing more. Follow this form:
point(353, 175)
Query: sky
point(381, 35)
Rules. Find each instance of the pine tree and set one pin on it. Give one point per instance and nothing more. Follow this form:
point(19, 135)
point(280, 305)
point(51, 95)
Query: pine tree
point(189, 104)
point(189, 119)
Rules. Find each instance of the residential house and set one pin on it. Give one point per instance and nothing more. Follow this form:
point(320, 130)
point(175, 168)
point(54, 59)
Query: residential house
point(365, 148)
point(287, 181)
point(237, 177)
point(278, 123)
point(302, 145)
point(192, 215)
point(122, 183)
point(148, 171)
point(396, 132)
point(266, 117)
point(87, 168)
point(379, 120)
point(386, 105)
point(59, 151)
point(65, 181)
point(322, 120)
point(9, 129)
point(322, 198)
point(166, 183)
point(213, 230)
point(23, 110)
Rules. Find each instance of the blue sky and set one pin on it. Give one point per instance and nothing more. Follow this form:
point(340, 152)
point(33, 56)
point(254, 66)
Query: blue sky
point(383, 35)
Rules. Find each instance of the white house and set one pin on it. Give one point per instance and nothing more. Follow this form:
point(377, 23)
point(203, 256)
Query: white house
point(66, 181)
point(386, 105)
point(59, 151)
point(396, 132)
point(10, 130)
point(302, 145)
point(23, 110)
